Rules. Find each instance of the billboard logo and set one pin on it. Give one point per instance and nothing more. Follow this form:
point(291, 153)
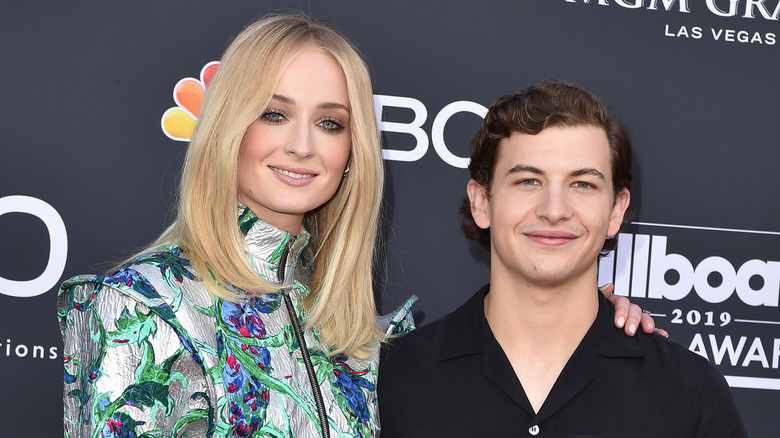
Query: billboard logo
point(721, 306)
point(643, 263)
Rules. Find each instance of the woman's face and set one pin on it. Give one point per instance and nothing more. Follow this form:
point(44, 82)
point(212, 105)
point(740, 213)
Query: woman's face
point(293, 157)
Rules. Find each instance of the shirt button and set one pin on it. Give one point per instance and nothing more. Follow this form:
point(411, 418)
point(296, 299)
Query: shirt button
point(533, 430)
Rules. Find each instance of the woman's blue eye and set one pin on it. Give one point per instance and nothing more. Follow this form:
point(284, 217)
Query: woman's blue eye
point(273, 116)
point(331, 125)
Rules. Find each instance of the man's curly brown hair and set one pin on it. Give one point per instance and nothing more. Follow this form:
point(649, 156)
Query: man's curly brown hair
point(547, 104)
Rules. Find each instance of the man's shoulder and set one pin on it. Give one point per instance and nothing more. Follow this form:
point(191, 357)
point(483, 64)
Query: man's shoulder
point(419, 342)
point(658, 354)
point(422, 374)
point(690, 387)
point(654, 349)
point(450, 333)
point(667, 354)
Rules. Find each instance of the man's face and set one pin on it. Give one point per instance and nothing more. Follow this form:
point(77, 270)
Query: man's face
point(551, 205)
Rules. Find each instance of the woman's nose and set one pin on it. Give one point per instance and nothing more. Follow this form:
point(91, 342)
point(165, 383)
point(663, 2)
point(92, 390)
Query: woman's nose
point(300, 142)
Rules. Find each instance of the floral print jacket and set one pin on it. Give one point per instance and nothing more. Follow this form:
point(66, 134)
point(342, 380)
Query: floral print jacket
point(149, 352)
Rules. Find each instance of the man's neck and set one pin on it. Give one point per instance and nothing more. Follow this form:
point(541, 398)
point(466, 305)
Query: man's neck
point(545, 311)
point(540, 326)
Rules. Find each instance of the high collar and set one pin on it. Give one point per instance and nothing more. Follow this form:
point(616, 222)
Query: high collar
point(265, 244)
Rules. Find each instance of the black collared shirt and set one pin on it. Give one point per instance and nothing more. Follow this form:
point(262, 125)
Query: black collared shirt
point(452, 379)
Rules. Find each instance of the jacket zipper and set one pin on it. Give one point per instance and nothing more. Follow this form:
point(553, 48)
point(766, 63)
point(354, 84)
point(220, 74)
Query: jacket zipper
point(315, 387)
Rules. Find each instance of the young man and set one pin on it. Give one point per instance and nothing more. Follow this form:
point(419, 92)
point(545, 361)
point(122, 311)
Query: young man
point(550, 178)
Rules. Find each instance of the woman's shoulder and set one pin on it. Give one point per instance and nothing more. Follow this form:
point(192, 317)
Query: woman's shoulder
point(158, 285)
point(400, 321)
point(155, 279)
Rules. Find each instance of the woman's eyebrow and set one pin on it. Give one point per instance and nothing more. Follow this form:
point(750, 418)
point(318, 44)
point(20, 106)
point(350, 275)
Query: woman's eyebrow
point(283, 98)
point(325, 105)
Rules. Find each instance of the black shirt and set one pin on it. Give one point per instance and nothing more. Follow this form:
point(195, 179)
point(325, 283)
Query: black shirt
point(451, 378)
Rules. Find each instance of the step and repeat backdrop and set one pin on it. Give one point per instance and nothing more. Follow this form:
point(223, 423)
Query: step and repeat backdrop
point(96, 108)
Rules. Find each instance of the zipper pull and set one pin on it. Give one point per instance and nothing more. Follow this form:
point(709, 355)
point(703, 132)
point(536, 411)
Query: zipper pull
point(280, 271)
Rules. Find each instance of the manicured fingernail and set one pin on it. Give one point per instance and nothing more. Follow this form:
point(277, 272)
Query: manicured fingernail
point(632, 328)
point(621, 321)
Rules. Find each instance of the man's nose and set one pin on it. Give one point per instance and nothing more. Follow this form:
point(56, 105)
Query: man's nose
point(554, 204)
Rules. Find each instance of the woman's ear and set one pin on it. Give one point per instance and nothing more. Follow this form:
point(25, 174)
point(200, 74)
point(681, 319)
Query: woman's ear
point(480, 204)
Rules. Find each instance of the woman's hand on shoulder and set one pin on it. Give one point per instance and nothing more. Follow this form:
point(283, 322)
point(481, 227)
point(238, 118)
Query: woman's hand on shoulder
point(629, 316)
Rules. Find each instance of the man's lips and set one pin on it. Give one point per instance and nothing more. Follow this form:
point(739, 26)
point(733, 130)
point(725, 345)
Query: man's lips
point(551, 238)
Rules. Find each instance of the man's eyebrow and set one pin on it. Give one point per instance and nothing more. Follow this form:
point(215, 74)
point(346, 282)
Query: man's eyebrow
point(585, 171)
point(518, 168)
point(325, 105)
point(588, 171)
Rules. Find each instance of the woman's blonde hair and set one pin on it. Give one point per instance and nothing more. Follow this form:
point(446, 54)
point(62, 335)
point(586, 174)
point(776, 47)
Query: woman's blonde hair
point(341, 304)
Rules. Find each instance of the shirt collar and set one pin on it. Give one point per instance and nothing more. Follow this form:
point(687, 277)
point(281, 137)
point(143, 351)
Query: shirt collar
point(467, 330)
point(610, 341)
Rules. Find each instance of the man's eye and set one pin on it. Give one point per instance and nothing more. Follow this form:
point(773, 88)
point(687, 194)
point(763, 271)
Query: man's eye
point(527, 182)
point(582, 185)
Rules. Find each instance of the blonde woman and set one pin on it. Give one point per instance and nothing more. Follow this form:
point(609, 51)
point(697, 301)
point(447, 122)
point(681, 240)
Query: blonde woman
point(253, 314)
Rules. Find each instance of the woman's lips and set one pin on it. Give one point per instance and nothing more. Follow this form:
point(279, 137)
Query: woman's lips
point(293, 175)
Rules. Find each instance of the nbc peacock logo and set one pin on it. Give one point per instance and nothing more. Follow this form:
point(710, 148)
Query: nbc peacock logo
point(178, 122)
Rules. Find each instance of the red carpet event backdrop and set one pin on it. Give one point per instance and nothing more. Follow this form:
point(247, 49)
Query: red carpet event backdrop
point(99, 99)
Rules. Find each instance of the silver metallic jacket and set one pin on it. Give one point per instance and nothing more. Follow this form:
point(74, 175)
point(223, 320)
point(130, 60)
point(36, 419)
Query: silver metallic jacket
point(148, 350)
